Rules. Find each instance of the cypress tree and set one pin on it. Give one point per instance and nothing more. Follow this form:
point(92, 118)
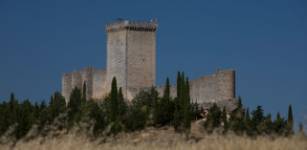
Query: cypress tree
point(74, 106)
point(121, 104)
point(177, 113)
point(84, 89)
point(178, 84)
point(186, 107)
point(164, 107)
point(240, 105)
point(115, 108)
point(166, 93)
point(290, 120)
point(182, 115)
point(114, 101)
point(247, 115)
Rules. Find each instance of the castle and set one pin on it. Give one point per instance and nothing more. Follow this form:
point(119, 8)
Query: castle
point(131, 58)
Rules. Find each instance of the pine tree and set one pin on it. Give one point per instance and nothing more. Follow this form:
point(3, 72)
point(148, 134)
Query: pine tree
point(256, 119)
point(257, 116)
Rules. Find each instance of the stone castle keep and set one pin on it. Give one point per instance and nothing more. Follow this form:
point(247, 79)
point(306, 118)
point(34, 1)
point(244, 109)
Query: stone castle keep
point(131, 58)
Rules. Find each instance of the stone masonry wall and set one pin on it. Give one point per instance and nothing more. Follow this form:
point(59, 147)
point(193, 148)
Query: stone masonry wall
point(116, 58)
point(99, 78)
point(94, 79)
point(214, 88)
point(131, 55)
point(141, 60)
point(131, 58)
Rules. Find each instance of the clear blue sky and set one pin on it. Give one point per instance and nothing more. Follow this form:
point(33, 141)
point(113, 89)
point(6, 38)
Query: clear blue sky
point(265, 41)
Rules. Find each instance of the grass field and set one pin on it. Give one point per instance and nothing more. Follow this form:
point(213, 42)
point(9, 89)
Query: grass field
point(154, 139)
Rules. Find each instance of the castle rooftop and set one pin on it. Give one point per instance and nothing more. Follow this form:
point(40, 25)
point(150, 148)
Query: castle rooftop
point(121, 24)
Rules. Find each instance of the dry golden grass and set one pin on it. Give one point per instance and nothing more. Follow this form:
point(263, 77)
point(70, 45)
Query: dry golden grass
point(154, 139)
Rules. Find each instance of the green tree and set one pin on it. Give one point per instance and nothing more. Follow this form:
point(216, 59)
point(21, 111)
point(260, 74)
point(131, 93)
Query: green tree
point(94, 118)
point(186, 107)
point(164, 107)
point(248, 123)
point(43, 115)
point(121, 104)
point(240, 105)
point(279, 125)
point(57, 106)
point(9, 113)
point(74, 107)
point(25, 119)
point(237, 119)
point(84, 89)
point(182, 104)
point(290, 121)
point(257, 118)
point(214, 118)
point(266, 126)
point(137, 116)
point(116, 108)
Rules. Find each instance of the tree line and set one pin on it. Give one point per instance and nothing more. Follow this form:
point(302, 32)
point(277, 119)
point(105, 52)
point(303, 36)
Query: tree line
point(114, 114)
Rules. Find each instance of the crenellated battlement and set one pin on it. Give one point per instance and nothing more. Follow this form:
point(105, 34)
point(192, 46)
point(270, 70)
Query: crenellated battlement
point(134, 25)
point(131, 58)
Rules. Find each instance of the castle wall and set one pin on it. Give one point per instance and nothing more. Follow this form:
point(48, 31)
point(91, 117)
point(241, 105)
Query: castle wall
point(131, 55)
point(99, 78)
point(76, 80)
point(131, 58)
point(116, 58)
point(94, 79)
point(219, 86)
point(141, 60)
point(214, 88)
point(66, 85)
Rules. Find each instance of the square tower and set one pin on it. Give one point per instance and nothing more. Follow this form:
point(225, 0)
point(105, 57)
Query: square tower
point(131, 55)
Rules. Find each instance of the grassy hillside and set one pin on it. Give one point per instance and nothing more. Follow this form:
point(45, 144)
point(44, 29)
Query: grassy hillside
point(163, 138)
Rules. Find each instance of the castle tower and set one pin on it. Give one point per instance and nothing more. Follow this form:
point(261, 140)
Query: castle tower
point(131, 55)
